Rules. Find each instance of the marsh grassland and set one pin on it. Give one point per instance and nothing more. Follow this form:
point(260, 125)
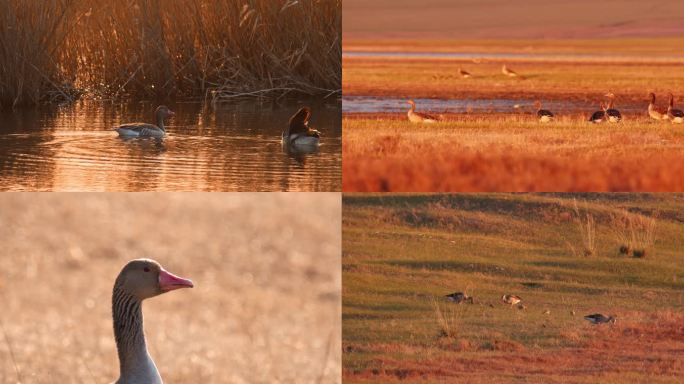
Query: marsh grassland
point(566, 255)
point(265, 307)
point(507, 149)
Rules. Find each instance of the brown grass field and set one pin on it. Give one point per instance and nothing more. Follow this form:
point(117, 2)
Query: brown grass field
point(504, 151)
point(404, 252)
point(266, 302)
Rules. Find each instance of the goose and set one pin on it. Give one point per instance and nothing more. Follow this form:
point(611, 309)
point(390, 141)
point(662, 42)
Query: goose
point(652, 111)
point(298, 132)
point(544, 114)
point(464, 74)
point(459, 297)
point(599, 116)
point(511, 299)
point(509, 72)
point(417, 117)
point(144, 129)
point(598, 318)
point(612, 114)
point(676, 116)
point(138, 280)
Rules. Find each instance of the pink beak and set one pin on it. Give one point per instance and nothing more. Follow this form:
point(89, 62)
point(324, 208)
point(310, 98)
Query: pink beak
point(171, 113)
point(169, 281)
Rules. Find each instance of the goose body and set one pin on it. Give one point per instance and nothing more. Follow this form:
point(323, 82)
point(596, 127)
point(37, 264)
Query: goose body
point(417, 117)
point(509, 72)
point(676, 116)
point(144, 129)
point(511, 299)
point(139, 280)
point(459, 297)
point(544, 115)
point(464, 74)
point(299, 133)
point(599, 116)
point(652, 111)
point(612, 114)
point(598, 318)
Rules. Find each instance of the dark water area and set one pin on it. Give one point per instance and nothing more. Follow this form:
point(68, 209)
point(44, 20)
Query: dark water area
point(229, 147)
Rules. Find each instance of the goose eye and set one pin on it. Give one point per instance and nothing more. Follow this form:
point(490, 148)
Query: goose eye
point(146, 269)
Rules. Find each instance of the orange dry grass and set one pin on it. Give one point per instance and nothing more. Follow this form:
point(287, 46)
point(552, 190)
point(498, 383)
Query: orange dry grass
point(511, 154)
point(643, 345)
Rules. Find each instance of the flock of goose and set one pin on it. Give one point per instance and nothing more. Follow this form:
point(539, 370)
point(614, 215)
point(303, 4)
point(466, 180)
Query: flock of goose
point(607, 110)
point(513, 300)
point(298, 132)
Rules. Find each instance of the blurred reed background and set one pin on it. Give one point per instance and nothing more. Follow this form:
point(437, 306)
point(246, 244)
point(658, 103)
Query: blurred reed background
point(56, 50)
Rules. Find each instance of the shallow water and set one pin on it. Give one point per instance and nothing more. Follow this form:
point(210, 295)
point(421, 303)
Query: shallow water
point(372, 104)
point(232, 147)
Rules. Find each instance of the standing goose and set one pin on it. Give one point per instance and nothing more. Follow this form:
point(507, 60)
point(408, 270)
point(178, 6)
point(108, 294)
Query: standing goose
point(144, 129)
point(652, 111)
point(510, 73)
point(138, 280)
point(612, 114)
point(417, 117)
point(544, 115)
point(676, 116)
point(459, 297)
point(464, 74)
point(599, 116)
point(598, 318)
point(511, 299)
point(298, 132)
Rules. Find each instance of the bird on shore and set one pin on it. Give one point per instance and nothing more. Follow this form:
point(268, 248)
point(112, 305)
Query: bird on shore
point(464, 74)
point(654, 113)
point(418, 117)
point(676, 116)
point(459, 297)
point(599, 116)
point(544, 115)
point(145, 129)
point(510, 73)
point(612, 114)
point(598, 318)
point(511, 299)
point(138, 280)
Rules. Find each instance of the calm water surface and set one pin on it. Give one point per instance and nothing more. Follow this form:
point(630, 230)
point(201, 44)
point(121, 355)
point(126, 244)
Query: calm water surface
point(232, 147)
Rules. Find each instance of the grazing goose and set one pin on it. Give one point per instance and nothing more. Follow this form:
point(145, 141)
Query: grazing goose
point(652, 111)
point(612, 114)
point(459, 297)
point(598, 318)
point(544, 115)
point(417, 117)
point(511, 299)
point(510, 73)
point(144, 129)
point(138, 280)
point(599, 116)
point(464, 74)
point(676, 116)
point(298, 132)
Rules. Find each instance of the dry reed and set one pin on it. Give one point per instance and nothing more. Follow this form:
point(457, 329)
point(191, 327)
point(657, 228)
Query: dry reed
point(634, 233)
point(213, 49)
point(587, 228)
point(447, 317)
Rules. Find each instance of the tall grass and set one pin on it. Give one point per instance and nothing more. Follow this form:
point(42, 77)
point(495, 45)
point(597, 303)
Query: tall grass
point(447, 317)
point(183, 48)
point(634, 233)
point(587, 228)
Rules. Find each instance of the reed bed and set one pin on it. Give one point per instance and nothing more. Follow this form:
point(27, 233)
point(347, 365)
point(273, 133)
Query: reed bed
point(212, 49)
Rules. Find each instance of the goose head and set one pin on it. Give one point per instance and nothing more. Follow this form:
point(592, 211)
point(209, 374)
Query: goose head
point(163, 112)
point(412, 103)
point(652, 97)
point(145, 278)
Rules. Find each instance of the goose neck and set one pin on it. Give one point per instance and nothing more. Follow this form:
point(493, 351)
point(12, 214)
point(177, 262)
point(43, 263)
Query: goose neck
point(134, 359)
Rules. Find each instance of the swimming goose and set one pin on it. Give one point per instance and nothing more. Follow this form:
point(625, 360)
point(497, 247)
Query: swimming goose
point(459, 297)
point(544, 115)
point(612, 114)
point(138, 280)
point(599, 116)
point(298, 132)
point(511, 299)
point(598, 318)
point(509, 72)
point(652, 111)
point(676, 116)
point(144, 129)
point(417, 117)
point(464, 74)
